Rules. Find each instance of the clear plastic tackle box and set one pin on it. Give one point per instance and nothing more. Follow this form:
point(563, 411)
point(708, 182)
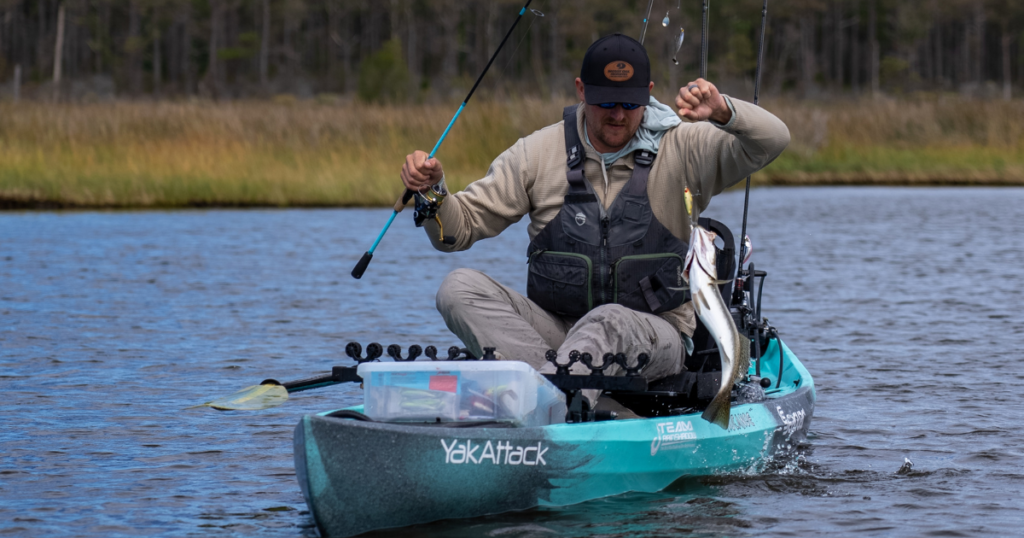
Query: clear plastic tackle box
point(449, 391)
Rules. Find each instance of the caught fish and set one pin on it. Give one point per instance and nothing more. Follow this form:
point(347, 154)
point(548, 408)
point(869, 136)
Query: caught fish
point(734, 350)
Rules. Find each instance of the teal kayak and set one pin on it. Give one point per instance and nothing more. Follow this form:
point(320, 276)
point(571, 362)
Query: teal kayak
point(359, 475)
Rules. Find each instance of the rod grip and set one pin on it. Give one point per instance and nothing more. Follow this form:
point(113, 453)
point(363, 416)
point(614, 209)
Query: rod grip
point(360, 267)
point(399, 204)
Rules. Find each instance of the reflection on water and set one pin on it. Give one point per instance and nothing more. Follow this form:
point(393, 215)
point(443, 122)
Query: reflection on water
point(903, 303)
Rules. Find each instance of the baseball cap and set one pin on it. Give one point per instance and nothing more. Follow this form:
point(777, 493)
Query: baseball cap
point(616, 69)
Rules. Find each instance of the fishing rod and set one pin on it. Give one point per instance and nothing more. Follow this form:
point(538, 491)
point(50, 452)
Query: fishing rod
point(360, 267)
point(757, 93)
point(704, 42)
point(647, 18)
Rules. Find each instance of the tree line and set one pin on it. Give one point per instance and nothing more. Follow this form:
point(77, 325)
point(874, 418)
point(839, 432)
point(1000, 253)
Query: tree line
point(423, 50)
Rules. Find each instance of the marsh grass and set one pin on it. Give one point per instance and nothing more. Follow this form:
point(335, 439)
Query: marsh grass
point(139, 154)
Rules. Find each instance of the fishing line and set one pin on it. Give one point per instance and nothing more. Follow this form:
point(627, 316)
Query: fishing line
point(647, 18)
point(757, 93)
point(512, 57)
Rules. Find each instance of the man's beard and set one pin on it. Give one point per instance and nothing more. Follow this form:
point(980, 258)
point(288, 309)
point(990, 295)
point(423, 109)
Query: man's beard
point(615, 141)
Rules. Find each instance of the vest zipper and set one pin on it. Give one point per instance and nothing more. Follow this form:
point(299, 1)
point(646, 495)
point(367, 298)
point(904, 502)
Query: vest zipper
point(604, 260)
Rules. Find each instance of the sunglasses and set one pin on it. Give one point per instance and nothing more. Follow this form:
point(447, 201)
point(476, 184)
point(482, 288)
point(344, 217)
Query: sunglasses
point(626, 106)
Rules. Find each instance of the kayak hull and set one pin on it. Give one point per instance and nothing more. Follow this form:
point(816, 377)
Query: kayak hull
point(360, 476)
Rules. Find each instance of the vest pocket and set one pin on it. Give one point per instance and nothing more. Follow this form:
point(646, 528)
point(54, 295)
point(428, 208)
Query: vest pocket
point(560, 282)
point(642, 282)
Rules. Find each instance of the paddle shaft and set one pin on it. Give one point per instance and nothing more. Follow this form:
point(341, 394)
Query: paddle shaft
point(360, 267)
point(339, 374)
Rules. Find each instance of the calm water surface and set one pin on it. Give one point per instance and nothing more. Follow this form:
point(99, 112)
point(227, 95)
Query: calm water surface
point(905, 305)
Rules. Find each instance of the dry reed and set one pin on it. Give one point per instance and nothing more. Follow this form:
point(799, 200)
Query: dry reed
point(137, 154)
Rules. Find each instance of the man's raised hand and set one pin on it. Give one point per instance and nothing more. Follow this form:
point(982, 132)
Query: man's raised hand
point(699, 100)
point(419, 172)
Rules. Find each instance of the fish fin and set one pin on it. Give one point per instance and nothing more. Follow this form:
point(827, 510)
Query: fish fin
point(719, 410)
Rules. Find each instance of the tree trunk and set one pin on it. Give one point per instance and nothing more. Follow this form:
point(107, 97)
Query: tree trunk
point(213, 67)
point(979, 47)
point(1007, 89)
point(157, 64)
point(265, 44)
point(187, 70)
point(133, 48)
point(964, 53)
point(855, 51)
point(450, 39)
point(558, 47)
point(940, 78)
point(17, 82)
point(393, 22)
point(807, 54)
point(103, 34)
point(874, 56)
point(58, 51)
point(41, 42)
point(838, 51)
point(412, 48)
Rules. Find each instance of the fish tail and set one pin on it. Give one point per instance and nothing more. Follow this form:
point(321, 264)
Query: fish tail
point(718, 411)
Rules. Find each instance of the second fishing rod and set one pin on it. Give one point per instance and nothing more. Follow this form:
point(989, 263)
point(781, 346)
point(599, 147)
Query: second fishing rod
point(431, 195)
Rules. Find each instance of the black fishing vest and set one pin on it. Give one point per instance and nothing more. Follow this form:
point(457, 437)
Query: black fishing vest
point(587, 256)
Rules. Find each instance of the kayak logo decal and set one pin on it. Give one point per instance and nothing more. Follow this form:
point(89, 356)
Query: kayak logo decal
point(741, 422)
point(672, 435)
point(501, 454)
point(793, 421)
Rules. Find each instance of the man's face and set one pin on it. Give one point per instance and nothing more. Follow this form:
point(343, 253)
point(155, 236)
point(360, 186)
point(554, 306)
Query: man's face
point(610, 128)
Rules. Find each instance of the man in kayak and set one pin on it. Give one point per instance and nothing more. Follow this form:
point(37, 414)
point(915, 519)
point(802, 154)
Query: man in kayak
point(608, 227)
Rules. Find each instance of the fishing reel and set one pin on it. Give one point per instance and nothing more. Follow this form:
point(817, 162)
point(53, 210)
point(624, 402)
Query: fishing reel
point(427, 204)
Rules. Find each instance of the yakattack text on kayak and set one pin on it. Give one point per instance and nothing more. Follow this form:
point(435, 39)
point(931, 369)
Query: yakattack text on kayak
point(501, 454)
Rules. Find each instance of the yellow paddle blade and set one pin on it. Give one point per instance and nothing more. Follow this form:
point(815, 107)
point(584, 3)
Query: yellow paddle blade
point(251, 398)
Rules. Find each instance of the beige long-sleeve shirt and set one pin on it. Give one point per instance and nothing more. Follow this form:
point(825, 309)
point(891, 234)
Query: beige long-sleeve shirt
point(529, 178)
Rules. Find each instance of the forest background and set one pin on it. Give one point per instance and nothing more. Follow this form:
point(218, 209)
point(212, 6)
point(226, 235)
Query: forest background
point(128, 103)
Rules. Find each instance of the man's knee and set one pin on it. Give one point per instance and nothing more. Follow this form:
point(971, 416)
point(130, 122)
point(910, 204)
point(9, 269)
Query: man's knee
point(612, 314)
point(457, 287)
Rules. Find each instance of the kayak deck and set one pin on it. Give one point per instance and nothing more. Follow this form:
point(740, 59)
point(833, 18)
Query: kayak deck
point(359, 476)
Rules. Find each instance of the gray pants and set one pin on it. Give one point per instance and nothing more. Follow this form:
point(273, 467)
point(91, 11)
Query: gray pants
point(484, 313)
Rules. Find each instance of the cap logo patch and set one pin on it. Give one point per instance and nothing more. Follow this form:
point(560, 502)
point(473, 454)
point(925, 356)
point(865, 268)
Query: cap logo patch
point(618, 71)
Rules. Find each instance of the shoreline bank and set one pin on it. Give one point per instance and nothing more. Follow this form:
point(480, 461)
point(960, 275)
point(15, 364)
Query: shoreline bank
point(164, 155)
